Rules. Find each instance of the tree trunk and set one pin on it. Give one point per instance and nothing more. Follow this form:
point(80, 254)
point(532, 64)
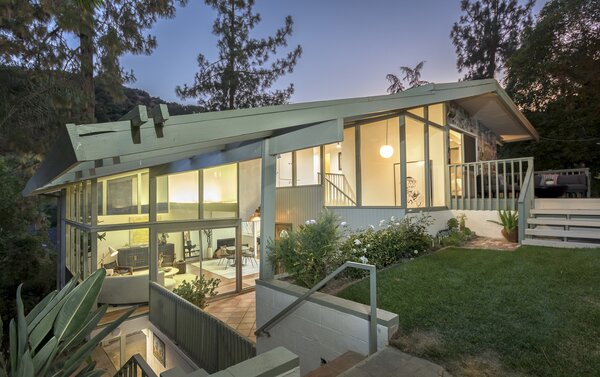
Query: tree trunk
point(86, 59)
point(232, 80)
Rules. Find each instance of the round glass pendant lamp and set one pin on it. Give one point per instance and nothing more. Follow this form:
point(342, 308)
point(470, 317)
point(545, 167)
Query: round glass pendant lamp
point(386, 151)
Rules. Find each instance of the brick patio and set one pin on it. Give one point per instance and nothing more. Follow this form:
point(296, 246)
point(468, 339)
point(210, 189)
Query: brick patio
point(239, 312)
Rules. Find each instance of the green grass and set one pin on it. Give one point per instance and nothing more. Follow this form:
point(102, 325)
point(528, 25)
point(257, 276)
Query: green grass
point(533, 312)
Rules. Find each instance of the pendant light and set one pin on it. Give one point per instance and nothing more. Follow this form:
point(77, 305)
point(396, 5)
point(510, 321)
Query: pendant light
point(386, 151)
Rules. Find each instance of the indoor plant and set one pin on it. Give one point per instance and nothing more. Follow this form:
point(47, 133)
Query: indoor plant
point(510, 224)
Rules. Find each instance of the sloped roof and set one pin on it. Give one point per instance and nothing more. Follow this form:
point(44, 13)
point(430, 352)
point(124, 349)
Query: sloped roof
point(96, 150)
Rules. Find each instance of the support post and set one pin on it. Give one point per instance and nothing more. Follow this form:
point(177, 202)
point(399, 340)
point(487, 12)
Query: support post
point(267, 202)
point(152, 242)
point(402, 122)
point(62, 239)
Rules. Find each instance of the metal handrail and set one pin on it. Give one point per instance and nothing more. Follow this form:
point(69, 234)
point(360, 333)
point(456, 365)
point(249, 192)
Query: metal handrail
point(134, 365)
point(345, 182)
point(373, 301)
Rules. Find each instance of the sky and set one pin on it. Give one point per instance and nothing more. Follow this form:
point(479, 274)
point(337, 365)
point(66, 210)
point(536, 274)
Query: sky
point(348, 45)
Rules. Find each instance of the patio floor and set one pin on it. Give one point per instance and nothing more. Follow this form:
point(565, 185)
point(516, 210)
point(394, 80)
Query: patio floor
point(239, 312)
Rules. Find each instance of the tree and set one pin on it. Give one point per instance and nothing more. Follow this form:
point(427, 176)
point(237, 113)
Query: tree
point(242, 77)
point(554, 78)
point(412, 77)
point(39, 36)
point(487, 34)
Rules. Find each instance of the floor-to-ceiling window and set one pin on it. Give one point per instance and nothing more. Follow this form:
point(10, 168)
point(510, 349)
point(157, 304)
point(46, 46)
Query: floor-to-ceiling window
point(299, 168)
point(340, 171)
point(380, 162)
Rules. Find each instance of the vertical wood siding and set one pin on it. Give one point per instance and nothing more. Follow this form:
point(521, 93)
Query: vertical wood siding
point(295, 205)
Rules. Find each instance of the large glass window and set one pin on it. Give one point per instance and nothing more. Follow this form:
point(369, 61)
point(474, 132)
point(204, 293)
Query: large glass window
point(415, 163)
point(340, 171)
point(178, 196)
point(220, 192)
point(123, 198)
point(308, 166)
point(284, 173)
point(380, 162)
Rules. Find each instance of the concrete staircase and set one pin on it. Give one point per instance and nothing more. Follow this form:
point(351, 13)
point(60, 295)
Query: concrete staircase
point(564, 223)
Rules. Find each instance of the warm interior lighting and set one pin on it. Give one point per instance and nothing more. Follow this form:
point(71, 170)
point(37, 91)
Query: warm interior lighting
point(386, 151)
point(256, 215)
point(338, 145)
point(113, 251)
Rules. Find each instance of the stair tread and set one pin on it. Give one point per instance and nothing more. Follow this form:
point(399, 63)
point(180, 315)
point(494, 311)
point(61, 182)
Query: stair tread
point(564, 244)
point(581, 212)
point(563, 233)
point(563, 222)
point(337, 365)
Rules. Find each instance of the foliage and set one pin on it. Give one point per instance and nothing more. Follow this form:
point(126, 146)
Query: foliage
point(198, 290)
point(23, 229)
point(523, 305)
point(310, 253)
point(39, 36)
point(51, 340)
point(487, 34)
point(241, 76)
point(396, 239)
point(412, 77)
point(457, 233)
point(452, 223)
point(554, 78)
point(508, 219)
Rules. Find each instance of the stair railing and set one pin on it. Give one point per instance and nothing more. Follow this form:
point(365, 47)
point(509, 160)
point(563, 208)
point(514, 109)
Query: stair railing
point(136, 366)
point(334, 193)
point(526, 199)
point(264, 329)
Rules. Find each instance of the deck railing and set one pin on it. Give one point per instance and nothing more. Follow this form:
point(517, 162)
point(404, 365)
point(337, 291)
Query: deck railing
point(136, 366)
point(338, 191)
point(210, 343)
point(489, 185)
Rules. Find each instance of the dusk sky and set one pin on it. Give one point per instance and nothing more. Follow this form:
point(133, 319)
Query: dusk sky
point(349, 45)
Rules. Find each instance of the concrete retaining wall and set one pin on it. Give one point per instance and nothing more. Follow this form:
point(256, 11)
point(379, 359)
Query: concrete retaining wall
point(324, 327)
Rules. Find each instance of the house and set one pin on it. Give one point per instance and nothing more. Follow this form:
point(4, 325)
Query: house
point(160, 198)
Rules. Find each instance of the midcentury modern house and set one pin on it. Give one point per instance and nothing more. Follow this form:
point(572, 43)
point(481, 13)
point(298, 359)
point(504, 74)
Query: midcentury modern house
point(162, 199)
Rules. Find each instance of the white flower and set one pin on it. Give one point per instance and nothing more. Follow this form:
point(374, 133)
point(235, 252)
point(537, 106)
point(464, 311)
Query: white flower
point(313, 221)
point(412, 258)
point(357, 242)
point(368, 245)
point(381, 222)
point(393, 218)
point(416, 251)
point(343, 223)
point(310, 222)
point(372, 227)
point(284, 234)
point(307, 222)
point(364, 250)
point(363, 259)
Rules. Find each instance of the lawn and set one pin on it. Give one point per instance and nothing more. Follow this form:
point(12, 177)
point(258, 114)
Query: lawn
point(530, 312)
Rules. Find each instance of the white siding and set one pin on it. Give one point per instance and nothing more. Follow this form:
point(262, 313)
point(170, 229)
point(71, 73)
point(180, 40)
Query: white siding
point(295, 205)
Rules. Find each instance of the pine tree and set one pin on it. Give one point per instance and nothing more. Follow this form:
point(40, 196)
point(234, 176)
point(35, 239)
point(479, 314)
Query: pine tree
point(242, 76)
point(39, 35)
point(487, 34)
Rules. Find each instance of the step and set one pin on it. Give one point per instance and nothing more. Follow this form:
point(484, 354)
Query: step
point(337, 366)
point(562, 222)
point(563, 233)
point(572, 212)
point(563, 244)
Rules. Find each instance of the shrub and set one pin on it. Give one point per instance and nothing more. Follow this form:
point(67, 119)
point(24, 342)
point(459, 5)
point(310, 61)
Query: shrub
point(310, 253)
point(452, 223)
point(457, 233)
point(395, 240)
point(198, 290)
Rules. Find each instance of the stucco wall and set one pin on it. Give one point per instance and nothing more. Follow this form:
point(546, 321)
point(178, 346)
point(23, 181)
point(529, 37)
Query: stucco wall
point(325, 327)
point(486, 140)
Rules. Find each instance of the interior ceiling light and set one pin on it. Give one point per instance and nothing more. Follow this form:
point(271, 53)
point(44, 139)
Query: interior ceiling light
point(386, 151)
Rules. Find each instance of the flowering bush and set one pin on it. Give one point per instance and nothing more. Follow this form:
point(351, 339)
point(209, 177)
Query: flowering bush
point(310, 253)
point(394, 240)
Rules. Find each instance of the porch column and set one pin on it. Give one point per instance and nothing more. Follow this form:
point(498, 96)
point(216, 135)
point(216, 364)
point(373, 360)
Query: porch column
point(62, 239)
point(267, 209)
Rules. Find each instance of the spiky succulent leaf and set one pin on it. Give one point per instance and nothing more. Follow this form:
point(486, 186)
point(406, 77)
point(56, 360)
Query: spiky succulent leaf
point(58, 299)
point(39, 307)
point(78, 305)
point(21, 325)
point(44, 355)
point(90, 323)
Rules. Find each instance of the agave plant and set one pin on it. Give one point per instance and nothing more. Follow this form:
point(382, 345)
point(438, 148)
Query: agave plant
point(51, 339)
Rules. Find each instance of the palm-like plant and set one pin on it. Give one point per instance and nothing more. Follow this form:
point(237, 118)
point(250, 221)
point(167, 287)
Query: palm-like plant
point(51, 339)
point(412, 76)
